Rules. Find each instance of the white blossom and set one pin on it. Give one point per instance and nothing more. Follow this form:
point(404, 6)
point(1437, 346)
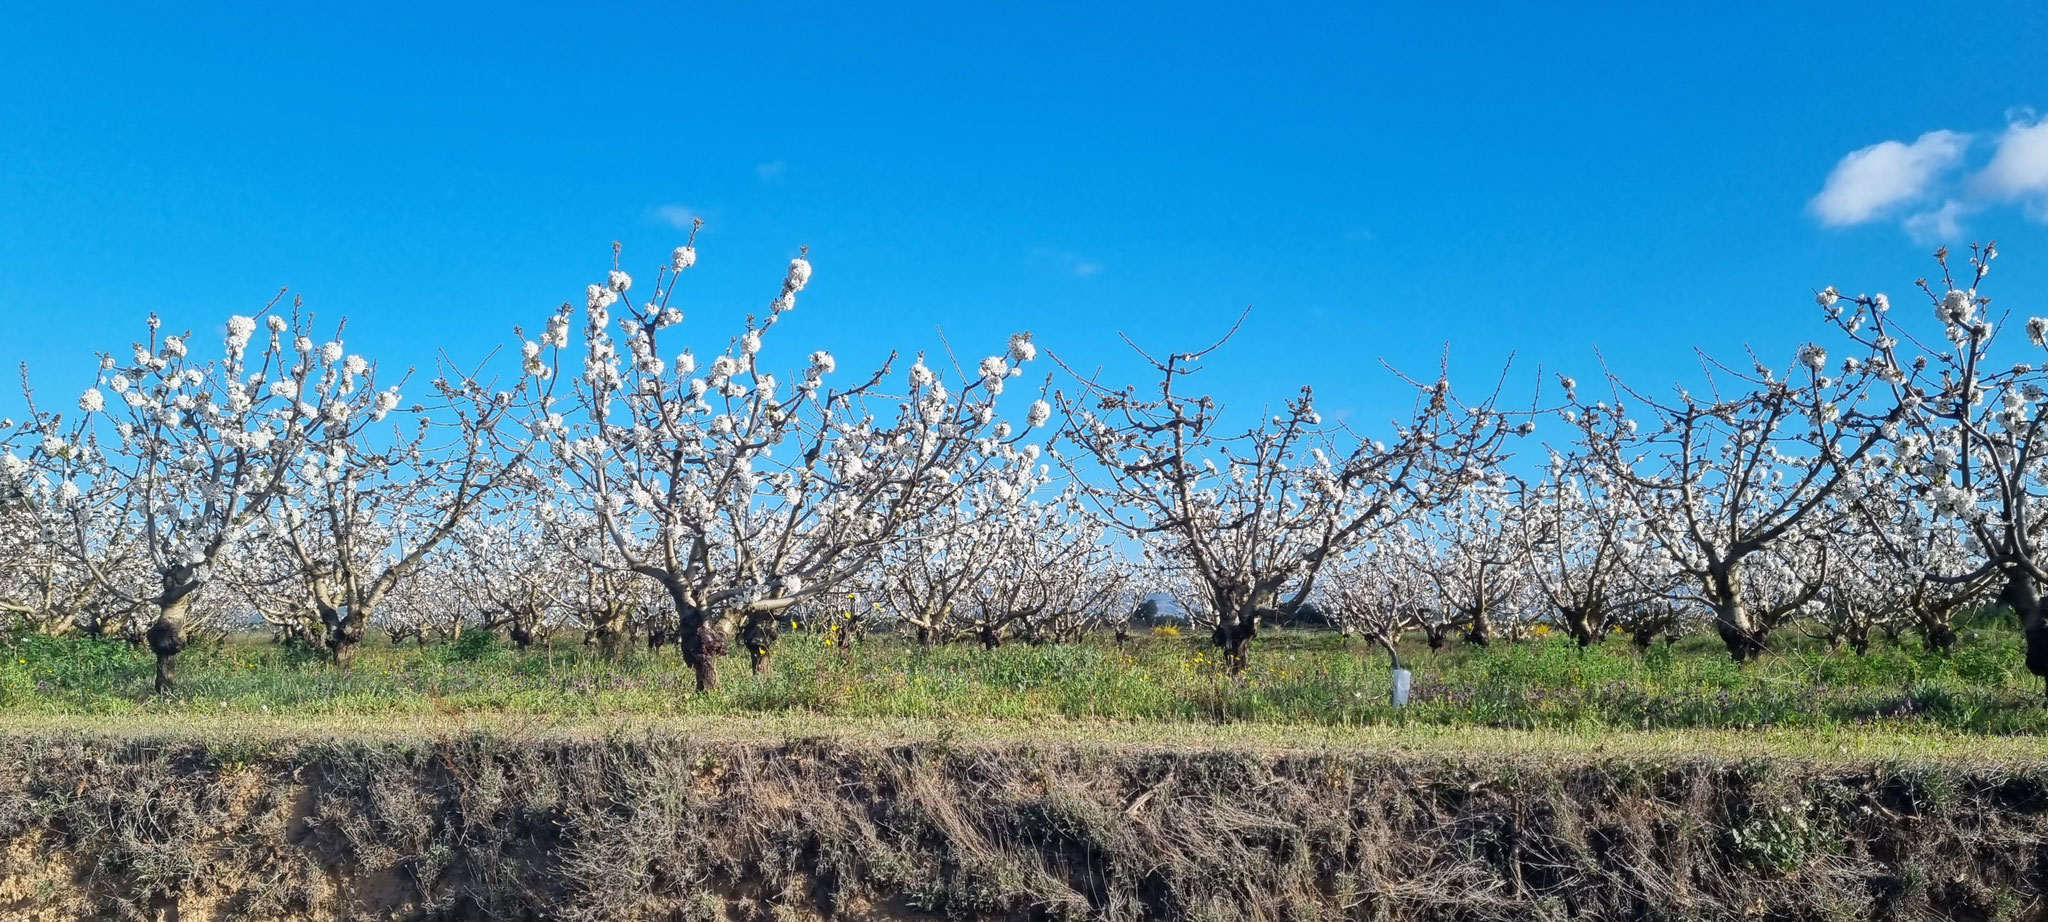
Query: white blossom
point(1956, 307)
point(240, 328)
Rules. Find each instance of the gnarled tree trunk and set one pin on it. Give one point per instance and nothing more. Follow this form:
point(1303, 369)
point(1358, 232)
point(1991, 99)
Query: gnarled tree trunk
point(1740, 632)
point(611, 631)
point(1479, 627)
point(1233, 635)
point(759, 635)
point(1936, 636)
point(344, 629)
point(2024, 598)
point(1582, 624)
point(166, 638)
point(699, 635)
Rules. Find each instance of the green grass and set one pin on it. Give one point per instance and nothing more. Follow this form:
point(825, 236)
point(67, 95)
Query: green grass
point(1296, 679)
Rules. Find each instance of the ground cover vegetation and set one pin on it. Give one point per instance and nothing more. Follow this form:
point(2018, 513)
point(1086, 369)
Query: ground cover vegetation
point(1309, 677)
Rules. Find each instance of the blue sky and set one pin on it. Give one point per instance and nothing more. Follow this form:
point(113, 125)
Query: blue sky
point(1375, 181)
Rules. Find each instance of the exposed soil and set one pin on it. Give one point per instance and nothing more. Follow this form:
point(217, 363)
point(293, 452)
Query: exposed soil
point(651, 828)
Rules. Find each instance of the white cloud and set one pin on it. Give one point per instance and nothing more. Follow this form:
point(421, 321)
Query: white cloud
point(2019, 170)
point(1940, 225)
point(677, 215)
point(1870, 181)
point(1066, 262)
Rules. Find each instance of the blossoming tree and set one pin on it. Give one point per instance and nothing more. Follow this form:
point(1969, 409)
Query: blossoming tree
point(1380, 591)
point(1251, 517)
point(927, 581)
point(1720, 478)
point(1474, 551)
point(366, 507)
point(189, 455)
point(1969, 437)
point(1058, 576)
point(743, 493)
point(1585, 551)
point(42, 584)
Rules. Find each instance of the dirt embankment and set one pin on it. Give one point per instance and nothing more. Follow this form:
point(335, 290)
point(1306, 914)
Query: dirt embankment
point(621, 828)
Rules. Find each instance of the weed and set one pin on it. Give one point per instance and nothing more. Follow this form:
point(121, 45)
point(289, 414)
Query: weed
point(1295, 678)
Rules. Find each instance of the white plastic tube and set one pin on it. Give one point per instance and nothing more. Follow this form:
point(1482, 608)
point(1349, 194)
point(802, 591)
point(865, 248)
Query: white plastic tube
point(1401, 677)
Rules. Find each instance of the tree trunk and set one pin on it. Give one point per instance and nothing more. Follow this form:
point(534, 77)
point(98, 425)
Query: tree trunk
point(2024, 598)
point(167, 639)
point(611, 643)
point(1936, 636)
point(1739, 632)
point(759, 635)
point(344, 631)
point(924, 637)
point(990, 638)
point(1479, 630)
point(702, 645)
point(1581, 626)
point(699, 636)
point(522, 636)
point(1389, 642)
point(1233, 634)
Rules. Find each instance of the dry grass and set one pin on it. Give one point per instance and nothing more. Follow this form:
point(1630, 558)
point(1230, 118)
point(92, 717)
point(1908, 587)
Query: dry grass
point(1843, 745)
point(693, 820)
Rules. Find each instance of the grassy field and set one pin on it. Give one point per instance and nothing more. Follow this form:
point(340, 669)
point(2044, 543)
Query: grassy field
point(1299, 683)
